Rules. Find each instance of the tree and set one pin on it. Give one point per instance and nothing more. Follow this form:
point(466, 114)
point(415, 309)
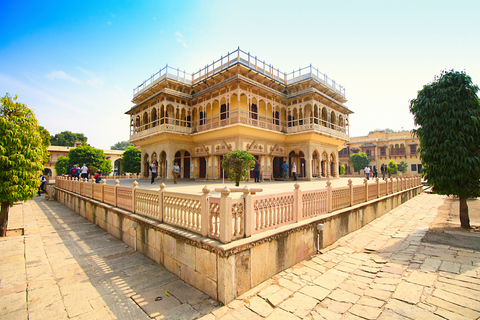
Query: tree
point(68, 139)
point(342, 169)
point(131, 160)
point(94, 159)
point(62, 165)
point(359, 160)
point(392, 168)
point(22, 154)
point(122, 145)
point(237, 165)
point(447, 113)
point(402, 167)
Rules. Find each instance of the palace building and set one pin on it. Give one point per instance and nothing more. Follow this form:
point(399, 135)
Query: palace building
point(381, 147)
point(239, 103)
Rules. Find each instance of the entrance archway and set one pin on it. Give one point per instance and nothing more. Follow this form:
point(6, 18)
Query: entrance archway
point(202, 168)
point(146, 165)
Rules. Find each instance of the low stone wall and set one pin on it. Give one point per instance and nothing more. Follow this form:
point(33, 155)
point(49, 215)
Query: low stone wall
point(225, 271)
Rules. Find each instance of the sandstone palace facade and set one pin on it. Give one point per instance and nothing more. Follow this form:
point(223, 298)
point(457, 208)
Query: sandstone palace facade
point(239, 103)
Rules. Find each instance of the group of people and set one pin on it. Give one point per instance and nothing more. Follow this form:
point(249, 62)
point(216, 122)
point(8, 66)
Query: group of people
point(83, 172)
point(175, 172)
point(383, 169)
point(285, 167)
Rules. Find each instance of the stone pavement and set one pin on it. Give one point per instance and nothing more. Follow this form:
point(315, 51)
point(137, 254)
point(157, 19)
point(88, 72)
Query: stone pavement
point(383, 271)
point(64, 267)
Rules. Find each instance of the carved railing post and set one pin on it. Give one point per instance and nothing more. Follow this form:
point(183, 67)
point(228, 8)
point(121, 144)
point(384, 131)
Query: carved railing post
point(134, 187)
point(350, 185)
point(225, 216)
point(117, 183)
point(365, 182)
point(297, 203)
point(248, 211)
point(104, 183)
point(378, 187)
point(329, 196)
point(160, 202)
point(205, 212)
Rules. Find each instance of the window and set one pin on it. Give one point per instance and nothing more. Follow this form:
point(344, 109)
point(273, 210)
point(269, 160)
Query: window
point(369, 153)
point(413, 167)
point(413, 149)
point(224, 111)
point(383, 152)
point(253, 111)
point(202, 117)
point(276, 118)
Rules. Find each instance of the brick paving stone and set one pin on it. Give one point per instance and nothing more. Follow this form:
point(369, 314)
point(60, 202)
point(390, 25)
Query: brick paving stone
point(392, 281)
point(371, 302)
point(409, 311)
point(466, 292)
point(299, 304)
point(381, 286)
point(408, 292)
point(343, 296)
point(451, 267)
point(366, 312)
point(459, 277)
point(336, 306)
point(265, 293)
point(290, 285)
point(457, 299)
point(379, 294)
point(280, 314)
point(324, 313)
point(329, 280)
point(279, 296)
point(315, 291)
point(450, 315)
point(454, 308)
point(260, 306)
point(422, 278)
point(460, 283)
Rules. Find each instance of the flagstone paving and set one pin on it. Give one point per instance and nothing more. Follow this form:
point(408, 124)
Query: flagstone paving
point(64, 267)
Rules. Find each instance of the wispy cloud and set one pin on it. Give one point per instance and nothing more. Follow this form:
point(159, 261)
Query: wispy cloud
point(93, 79)
point(61, 75)
point(180, 38)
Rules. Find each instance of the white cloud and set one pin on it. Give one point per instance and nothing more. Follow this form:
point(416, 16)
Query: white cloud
point(180, 38)
point(62, 76)
point(93, 79)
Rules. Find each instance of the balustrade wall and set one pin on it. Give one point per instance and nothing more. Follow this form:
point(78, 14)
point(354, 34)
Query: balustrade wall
point(226, 218)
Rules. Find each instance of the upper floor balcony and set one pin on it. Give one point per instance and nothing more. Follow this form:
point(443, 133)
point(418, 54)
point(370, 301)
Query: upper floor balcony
point(186, 125)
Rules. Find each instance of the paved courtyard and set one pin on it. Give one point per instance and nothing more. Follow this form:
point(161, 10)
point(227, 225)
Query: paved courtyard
point(64, 267)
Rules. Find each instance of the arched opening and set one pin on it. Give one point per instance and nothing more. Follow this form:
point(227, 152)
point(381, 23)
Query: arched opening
point(117, 167)
point(146, 165)
point(202, 167)
point(315, 164)
point(299, 159)
point(162, 165)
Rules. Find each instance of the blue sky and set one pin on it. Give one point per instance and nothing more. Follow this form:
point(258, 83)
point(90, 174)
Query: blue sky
point(76, 63)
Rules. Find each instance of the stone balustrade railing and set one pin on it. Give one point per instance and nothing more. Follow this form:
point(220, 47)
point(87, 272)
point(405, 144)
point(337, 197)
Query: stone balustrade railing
point(226, 218)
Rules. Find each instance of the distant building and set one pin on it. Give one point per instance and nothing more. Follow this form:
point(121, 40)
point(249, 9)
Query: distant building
point(115, 157)
point(239, 103)
point(382, 147)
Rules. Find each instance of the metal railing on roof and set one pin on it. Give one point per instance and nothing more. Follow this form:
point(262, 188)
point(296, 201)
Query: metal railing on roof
point(245, 58)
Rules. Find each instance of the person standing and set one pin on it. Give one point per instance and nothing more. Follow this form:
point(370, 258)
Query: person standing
point(285, 170)
point(375, 172)
point(294, 171)
point(175, 172)
point(383, 169)
point(84, 171)
point(153, 171)
point(43, 180)
point(367, 172)
point(257, 171)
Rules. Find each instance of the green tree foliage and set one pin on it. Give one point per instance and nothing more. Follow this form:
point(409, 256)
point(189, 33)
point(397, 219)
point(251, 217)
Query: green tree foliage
point(392, 168)
point(447, 113)
point(402, 167)
point(22, 154)
point(61, 165)
point(131, 160)
point(360, 161)
point(122, 145)
point(237, 165)
point(93, 158)
point(342, 169)
point(67, 139)
point(45, 142)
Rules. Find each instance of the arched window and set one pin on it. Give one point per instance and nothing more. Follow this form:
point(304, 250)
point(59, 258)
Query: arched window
point(224, 111)
point(253, 111)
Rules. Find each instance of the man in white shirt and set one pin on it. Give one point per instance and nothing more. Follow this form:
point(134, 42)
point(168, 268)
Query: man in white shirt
point(153, 169)
point(84, 171)
point(367, 172)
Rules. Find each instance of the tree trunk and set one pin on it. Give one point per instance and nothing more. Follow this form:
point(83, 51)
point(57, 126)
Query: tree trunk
point(464, 218)
point(4, 218)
